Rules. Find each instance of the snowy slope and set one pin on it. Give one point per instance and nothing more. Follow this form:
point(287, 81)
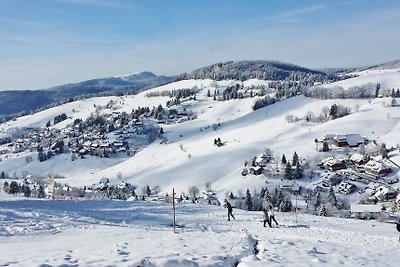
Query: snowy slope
point(388, 78)
point(189, 157)
point(124, 233)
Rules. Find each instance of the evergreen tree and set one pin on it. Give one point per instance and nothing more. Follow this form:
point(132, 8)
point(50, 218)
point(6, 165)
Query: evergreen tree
point(295, 159)
point(332, 197)
point(325, 146)
point(27, 191)
point(286, 205)
point(14, 188)
point(333, 111)
point(318, 201)
point(262, 192)
point(288, 171)
point(298, 172)
point(231, 196)
point(208, 93)
point(383, 150)
point(249, 202)
point(41, 193)
point(267, 196)
point(6, 187)
point(394, 102)
point(161, 130)
point(377, 89)
point(280, 198)
point(284, 161)
point(148, 191)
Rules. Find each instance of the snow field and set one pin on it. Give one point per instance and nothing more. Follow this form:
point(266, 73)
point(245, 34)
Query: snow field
point(124, 233)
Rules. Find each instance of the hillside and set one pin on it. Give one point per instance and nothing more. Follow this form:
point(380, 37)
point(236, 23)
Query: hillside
point(186, 155)
point(252, 69)
point(26, 101)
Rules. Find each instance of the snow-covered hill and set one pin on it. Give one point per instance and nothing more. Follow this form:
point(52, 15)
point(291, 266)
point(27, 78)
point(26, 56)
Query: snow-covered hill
point(387, 78)
point(125, 233)
point(189, 157)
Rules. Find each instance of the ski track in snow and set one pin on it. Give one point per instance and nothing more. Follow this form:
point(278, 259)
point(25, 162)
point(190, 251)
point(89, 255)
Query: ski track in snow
point(124, 233)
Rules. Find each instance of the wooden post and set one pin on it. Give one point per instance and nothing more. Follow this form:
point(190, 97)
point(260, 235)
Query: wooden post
point(296, 210)
point(173, 206)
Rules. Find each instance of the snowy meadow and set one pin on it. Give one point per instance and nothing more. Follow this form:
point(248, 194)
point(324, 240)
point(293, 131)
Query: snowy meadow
point(140, 233)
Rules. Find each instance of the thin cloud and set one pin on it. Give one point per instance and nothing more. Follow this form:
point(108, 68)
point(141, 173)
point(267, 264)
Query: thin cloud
point(302, 11)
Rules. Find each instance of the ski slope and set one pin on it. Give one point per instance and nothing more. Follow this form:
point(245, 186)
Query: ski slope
point(125, 233)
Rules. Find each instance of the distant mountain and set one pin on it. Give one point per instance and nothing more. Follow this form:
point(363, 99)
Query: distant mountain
point(394, 64)
point(17, 101)
point(250, 69)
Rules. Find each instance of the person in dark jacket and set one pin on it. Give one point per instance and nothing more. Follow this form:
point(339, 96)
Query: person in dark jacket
point(266, 217)
point(272, 216)
point(230, 209)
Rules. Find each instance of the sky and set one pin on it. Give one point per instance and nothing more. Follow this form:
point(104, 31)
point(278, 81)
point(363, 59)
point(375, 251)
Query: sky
point(44, 43)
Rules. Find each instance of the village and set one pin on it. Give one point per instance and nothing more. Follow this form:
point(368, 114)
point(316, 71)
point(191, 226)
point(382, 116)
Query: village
point(109, 134)
point(355, 168)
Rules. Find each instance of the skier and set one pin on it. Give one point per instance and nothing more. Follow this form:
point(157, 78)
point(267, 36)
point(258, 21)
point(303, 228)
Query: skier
point(230, 209)
point(266, 217)
point(272, 216)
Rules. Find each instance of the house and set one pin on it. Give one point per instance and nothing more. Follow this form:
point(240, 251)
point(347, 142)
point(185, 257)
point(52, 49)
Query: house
point(333, 164)
point(365, 211)
point(262, 161)
point(331, 178)
point(256, 170)
point(346, 187)
point(384, 193)
point(376, 168)
point(358, 161)
point(290, 187)
point(350, 140)
point(370, 189)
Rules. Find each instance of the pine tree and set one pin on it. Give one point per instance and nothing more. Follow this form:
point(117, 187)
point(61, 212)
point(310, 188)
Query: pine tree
point(274, 198)
point(27, 191)
point(41, 193)
point(295, 159)
point(267, 196)
point(298, 172)
point(208, 93)
point(262, 192)
point(318, 201)
point(280, 198)
point(332, 197)
point(231, 196)
point(14, 188)
point(249, 202)
point(333, 111)
point(288, 171)
point(284, 161)
point(148, 191)
point(6, 187)
point(325, 146)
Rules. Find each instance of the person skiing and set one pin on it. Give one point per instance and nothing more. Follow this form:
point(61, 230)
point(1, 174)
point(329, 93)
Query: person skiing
point(230, 209)
point(266, 217)
point(272, 216)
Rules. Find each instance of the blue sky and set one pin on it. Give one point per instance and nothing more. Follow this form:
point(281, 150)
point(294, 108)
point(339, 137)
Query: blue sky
point(50, 42)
